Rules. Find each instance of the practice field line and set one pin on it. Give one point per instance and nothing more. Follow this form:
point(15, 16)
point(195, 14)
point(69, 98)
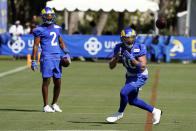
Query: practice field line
point(13, 71)
point(148, 126)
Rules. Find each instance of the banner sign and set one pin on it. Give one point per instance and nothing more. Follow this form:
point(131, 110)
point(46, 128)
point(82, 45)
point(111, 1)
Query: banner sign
point(21, 47)
point(183, 47)
point(102, 46)
point(78, 45)
point(3, 16)
point(91, 46)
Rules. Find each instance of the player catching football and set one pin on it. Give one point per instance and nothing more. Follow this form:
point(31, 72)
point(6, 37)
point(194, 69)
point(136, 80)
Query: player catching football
point(133, 56)
point(50, 39)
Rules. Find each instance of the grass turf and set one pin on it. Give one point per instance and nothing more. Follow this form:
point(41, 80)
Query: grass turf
point(90, 93)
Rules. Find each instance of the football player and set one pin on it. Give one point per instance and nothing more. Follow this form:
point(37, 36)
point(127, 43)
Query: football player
point(133, 57)
point(49, 36)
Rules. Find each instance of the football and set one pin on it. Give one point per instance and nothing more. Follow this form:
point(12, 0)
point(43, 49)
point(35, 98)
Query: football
point(65, 62)
point(161, 23)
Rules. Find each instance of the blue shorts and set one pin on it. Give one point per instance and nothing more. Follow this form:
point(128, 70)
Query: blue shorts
point(132, 85)
point(134, 82)
point(50, 68)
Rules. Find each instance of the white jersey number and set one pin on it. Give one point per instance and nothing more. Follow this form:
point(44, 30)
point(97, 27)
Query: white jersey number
point(53, 43)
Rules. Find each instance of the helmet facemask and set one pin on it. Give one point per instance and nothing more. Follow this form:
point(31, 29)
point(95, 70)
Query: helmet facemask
point(128, 41)
point(48, 18)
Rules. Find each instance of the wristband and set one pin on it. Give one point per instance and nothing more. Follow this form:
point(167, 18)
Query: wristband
point(65, 50)
point(139, 65)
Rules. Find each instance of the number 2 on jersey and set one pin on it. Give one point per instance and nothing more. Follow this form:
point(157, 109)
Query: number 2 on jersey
point(53, 43)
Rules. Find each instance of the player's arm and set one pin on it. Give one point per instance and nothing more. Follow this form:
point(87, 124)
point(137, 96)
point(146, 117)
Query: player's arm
point(141, 62)
point(34, 53)
point(113, 62)
point(63, 46)
point(35, 47)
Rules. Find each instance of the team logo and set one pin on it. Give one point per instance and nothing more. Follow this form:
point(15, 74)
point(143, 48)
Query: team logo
point(17, 45)
point(136, 50)
point(194, 48)
point(178, 47)
point(93, 46)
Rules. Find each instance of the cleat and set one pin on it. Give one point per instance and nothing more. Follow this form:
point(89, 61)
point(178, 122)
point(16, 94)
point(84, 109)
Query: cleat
point(56, 108)
point(156, 116)
point(47, 108)
point(115, 117)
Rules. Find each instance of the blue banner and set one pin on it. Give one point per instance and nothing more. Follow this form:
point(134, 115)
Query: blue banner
point(173, 47)
point(20, 47)
point(3, 16)
point(91, 46)
point(183, 47)
point(78, 45)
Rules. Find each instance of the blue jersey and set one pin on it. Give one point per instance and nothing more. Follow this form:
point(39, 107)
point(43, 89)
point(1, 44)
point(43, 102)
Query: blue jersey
point(49, 39)
point(137, 50)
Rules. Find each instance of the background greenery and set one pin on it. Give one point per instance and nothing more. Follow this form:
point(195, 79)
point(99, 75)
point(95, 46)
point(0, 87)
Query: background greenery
point(23, 10)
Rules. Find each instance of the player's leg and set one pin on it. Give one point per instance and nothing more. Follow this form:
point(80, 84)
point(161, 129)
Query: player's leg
point(124, 96)
point(45, 84)
point(56, 90)
point(133, 100)
point(57, 85)
point(123, 103)
point(46, 69)
point(132, 96)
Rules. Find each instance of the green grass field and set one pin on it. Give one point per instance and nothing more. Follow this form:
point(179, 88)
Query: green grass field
point(90, 93)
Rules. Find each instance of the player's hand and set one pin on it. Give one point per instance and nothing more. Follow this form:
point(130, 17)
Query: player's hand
point(34, 65)
point(128, 55)
point(113, 62)
point(68, 57)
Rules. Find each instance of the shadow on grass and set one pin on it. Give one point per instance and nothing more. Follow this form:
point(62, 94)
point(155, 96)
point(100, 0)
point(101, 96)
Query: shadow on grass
point(92, 122)
point(20, 110)
point(95, 122)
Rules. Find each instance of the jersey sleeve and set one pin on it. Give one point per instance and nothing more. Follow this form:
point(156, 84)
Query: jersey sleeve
point(37, 32)
point(143, 50)
point(116, 49)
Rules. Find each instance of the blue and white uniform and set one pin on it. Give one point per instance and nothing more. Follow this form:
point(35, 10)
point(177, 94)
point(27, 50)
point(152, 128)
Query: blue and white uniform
point(135, 77)
point(51, 51)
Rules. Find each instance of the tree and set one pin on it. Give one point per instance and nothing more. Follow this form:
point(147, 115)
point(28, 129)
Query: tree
point(23, 10)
